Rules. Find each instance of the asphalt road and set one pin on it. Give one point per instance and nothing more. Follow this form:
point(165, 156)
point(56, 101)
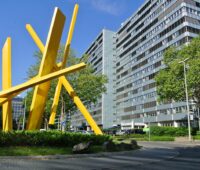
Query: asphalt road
point(153, 155)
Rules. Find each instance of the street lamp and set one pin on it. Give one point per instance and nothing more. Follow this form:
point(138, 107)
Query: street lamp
point(186, 94)
point(198, 117)
point(149, 131)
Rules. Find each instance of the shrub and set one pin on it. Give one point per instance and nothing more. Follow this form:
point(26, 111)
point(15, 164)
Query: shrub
point(48, 138)
point(168, 131)
point(194, 131)
point(162, 138)
point(197, 137)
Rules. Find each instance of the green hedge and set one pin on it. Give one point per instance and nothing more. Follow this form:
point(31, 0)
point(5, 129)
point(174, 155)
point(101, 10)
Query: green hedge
point(48, 138)
point(197, 137)
point(162, 138)
point(168, 131)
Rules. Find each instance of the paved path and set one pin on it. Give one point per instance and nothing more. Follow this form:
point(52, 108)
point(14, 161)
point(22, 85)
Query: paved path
point(153, 155)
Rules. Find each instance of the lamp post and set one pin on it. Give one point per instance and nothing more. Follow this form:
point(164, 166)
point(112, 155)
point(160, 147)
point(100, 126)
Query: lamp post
point(186, 94)
point(198, 118)
point(149, 131)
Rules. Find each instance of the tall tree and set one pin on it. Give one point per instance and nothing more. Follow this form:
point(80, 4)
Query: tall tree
point(170, 80)
point(88, 86)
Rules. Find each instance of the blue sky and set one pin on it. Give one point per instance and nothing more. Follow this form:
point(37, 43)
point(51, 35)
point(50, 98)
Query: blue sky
point(93, 16)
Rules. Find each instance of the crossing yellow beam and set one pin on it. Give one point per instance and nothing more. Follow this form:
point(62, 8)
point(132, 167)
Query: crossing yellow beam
point(6, 84)
point(70, 35)
point(3, 100)
point(55, 103)
point(40, 80)
point(35, 37)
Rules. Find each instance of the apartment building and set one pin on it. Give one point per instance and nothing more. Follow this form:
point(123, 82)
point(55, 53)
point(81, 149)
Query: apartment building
point(140, 44)
point(102, 56)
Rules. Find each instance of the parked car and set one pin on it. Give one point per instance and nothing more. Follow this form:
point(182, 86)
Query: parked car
point(120, 132)
point(83, 132)
point(134, 131)
point(110, 132)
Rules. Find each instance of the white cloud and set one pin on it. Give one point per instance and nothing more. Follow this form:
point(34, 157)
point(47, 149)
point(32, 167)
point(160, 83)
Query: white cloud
point(112, 7)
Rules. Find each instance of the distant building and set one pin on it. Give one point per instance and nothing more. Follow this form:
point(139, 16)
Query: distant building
point(17, 108)
point(102, 57)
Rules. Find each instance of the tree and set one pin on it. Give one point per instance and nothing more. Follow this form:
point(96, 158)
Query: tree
point(170, 80)
point(88, 86)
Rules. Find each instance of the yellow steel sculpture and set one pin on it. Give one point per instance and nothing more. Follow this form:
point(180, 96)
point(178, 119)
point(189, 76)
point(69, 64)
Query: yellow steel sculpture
point(63, 80)
point(48, 71)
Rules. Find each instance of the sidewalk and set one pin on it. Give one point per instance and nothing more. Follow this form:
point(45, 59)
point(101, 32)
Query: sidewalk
point(185, 140)
point(192, 143)
point(171, 144)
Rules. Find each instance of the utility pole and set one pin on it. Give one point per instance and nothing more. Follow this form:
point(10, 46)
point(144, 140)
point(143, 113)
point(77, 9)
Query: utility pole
point(186, 94)
point(62, 116)
point(24, 118)
point(198, 118)
point(149, 131)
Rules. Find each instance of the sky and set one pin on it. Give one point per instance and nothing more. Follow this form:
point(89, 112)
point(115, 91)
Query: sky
point(93, 16)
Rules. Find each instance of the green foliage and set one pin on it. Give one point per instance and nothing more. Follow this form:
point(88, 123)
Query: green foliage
point(170, 81)
point(194, 131)
point(48, 138)
point(162, 138)
point(169, 131)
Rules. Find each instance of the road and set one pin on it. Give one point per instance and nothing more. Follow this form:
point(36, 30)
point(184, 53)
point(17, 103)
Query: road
point(153, 155)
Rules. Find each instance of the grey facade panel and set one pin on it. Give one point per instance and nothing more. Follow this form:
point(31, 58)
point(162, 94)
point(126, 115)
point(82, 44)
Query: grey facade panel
point(164, 118)
point(180, 116)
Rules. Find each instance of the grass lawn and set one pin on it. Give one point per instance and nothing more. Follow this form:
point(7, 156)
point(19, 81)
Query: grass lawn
point(33, 151)
point(26, 150)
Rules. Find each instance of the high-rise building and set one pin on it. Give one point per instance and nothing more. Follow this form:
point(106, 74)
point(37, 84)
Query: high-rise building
point(132, 57)
point(101, 56)
point(141, 41)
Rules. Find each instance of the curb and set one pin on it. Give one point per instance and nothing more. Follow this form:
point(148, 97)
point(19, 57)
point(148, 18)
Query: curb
point(192, 143)
point(186, 143)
